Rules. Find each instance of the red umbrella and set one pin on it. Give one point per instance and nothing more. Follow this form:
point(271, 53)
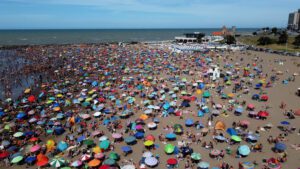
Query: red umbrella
point(186, 98)
point(264, 97)
point(172, 161)
point(150, 137)
point(31, 99)
point(250, 106)
point(104, 167)
point(4, 154)
point(33, 139)
point(263, 114)
point(101, 100)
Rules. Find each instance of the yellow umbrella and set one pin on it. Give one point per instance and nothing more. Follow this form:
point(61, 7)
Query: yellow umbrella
point(198, 91)
point(97, 150)
point(59, 95)
point(88, 99)
point(231, 95)
point(148, 143)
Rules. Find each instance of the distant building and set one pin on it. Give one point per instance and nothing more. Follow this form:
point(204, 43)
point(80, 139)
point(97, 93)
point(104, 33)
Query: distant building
point(294, 21)
point(224, 32)
point(188, 38)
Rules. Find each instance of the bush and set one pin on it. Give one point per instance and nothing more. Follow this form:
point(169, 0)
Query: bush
point(283, 38)
point(229, 39)
point(264, 40)
point(297, 41)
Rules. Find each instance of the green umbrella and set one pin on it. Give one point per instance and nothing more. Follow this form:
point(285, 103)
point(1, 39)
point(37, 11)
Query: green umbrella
point(196, 156)
point(104, 144)
point(169, 148)
point(236, 138)
point(183, 92)
point(57, 162)
point(88, 142)
point(109, 161)
point(17, 159)
point(114, 156)
point(206, 94)
point(66, 168)
point(18, 134)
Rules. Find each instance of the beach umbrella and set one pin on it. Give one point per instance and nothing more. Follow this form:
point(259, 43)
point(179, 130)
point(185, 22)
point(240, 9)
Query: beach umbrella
point(252, 137)
point(57, 162)
point(150, 137)
point(104, 144)
point(21, 115)
point(239, 110)
point(152, 125)
point(285, 123)
point(169, 148)
point(88, 142)
point(97, 114)
point(5, 143)
point(18, 134)
point(151, 161)
point(236, 138)
point(109, 161)
point(126, 149)
point(220, 138)
point(96, 150)
point(206, 94)
point(85, 157)
point(231, 132)
point(130, 139)
point(30, 159)
point(62, 146)
point(76, 163)
point(94, 163)
point(42, 160)
point(128, 166)
point(148, 143)
point(139, 135)
point(203, 165)
point(170, 136)
point(35, 148)
point(114, 156)
point(245, 122)
point(4, 154)
point(280, 146)
point(248, 165)
point(172, 161)
point(189, 122)
point(263, 114)
point(116, 135)
point(102, 138)
point(17, 159)
point(244, 150)
point(196, 156)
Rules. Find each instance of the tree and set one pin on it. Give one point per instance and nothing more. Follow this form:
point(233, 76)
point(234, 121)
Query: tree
point(200, 36)
point(254, 33)
point(297, 41)
point(274, 30)
point(264, 40)
point(283, 38)
point(229, 39)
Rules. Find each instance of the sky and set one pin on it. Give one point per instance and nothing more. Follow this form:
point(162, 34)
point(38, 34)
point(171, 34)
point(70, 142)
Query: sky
point(107, 14)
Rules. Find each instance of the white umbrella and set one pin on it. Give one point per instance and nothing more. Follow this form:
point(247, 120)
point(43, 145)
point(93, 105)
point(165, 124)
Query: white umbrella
point(128, 167)
point(97, 114)
point(147, 154)
point(151, 161)
point(151, 125)
point(102, 138)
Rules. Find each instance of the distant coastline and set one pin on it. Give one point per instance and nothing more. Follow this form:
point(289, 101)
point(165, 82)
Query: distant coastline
point(19, 37)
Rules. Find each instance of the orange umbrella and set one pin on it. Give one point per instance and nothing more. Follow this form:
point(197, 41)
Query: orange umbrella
point(144, 117)
point(94, 163)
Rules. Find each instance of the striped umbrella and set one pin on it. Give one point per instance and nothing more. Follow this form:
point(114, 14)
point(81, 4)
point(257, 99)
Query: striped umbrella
point(57, 162)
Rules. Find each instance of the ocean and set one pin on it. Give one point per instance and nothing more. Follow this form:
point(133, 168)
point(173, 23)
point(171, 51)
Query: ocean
point(76, 36)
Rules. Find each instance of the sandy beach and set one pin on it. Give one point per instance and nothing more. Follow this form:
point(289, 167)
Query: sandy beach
point(121, 82)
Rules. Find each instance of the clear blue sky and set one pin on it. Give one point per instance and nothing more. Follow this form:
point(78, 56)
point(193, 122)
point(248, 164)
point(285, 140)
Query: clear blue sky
point(27, 14)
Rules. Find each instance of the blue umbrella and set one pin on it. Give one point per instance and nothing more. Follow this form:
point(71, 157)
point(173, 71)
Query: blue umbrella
point(244, 150)
point(231, 132)
point(280, 146)
point(200, 113)
point(139, 135)
point(126, 149)
point(221, 138)
point(21, 115)
point(170, 136)
point(30, 159)
point(59, 130)
point(80, 139)
point(29, 133)
point(239, 110)
point(130, 139)
point(189, 122)
point(62, 146)
point(203, 165)
point(286, 123)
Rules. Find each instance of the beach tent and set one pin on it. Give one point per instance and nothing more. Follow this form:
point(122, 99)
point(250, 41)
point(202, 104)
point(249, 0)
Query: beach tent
point(220, 125)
